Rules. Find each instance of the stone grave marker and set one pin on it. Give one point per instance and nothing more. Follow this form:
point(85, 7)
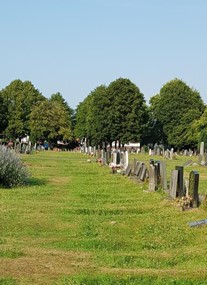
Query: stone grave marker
point(173, 183)
point(128, 170)
point(202, 149)
point(143, 172)
point(138, 168)
point(187, 163)
point(180, 187)
point(126, 159)
point(152, 184)
point(193, 188)
point(133, 166)
point(163, 175)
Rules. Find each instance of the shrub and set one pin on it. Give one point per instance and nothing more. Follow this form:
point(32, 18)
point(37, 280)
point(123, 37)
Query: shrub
point(12, 171)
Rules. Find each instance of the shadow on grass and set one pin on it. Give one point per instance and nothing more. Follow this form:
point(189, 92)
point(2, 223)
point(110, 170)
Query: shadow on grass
point(38, 182)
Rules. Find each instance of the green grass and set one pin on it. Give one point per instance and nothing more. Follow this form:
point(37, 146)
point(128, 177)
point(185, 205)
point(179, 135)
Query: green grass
point(79, 224)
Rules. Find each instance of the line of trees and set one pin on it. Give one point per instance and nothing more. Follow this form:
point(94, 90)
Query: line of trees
point(176, 117)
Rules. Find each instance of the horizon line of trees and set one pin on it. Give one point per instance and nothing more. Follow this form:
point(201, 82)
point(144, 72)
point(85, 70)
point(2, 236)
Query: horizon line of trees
point(176, 116)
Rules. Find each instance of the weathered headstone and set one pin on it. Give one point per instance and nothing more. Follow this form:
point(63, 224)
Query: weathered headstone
point(172, 153)
point(198, 223)
point(138, 168)
point(128, 170)
point(126, 159)
point(173, 183)
point(163, 175)
point(187, 163)
point(152, 184)
point(143, 172)
point(193, 188)
point(180, 187)
point(133, 167)
point(202, 149)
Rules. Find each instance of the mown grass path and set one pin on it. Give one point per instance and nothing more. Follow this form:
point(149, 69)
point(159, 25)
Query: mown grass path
point(79, 224)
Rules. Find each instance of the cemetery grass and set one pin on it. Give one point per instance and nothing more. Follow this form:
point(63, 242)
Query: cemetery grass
point(76, 223)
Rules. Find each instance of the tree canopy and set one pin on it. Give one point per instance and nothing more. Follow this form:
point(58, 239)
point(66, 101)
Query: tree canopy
point(49, 121)
point(18, 99)
point(174, 109)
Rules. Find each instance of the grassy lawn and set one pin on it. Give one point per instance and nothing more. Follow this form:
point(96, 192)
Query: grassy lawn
point(79, 224)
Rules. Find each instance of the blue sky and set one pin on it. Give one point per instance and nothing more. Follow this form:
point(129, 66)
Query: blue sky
point(73, 46)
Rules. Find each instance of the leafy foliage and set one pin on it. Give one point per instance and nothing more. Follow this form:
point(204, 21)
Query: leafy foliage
point(18, 99)
point(174, 109)
point(12, 171)
point(114, 113)
point(50, 120)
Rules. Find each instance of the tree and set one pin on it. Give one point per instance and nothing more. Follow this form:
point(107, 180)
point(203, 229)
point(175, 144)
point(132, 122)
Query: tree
point(197, 132)
point(49, 121)
point(18, 100)
point(128, 114)
point(57, 97)
point(174, 109)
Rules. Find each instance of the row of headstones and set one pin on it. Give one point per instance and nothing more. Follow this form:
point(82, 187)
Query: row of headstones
point(190, 189)
point(137, 170)
point(23, 147)
point(158, 178)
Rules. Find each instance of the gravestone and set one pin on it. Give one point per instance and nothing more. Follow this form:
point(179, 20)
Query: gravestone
point(163, 175)
point(193, 188)
point(152, 184)
point(133, 167)
point(158, 151)
point(173, 183)
point(115, 157)
point(138, 168)
point(198, 223)
point(187, 163)
point(180, 187)
point(128, 170)
point(157, 173)
point(143, 172)
point(172, 153)
point(126, 159)
point(118, 158)
point(122, 159)
point(202, 148)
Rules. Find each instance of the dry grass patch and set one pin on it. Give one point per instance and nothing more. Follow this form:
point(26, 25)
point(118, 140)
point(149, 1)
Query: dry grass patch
point(40, 262)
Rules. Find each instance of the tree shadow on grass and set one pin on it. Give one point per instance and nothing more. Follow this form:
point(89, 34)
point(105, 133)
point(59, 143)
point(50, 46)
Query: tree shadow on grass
point(37, 181)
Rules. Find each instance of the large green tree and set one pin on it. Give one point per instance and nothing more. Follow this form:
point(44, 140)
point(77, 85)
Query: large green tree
point(18, 100)
point(49, 121)
point(128, 114)
point(57, 97)
point(174, 109)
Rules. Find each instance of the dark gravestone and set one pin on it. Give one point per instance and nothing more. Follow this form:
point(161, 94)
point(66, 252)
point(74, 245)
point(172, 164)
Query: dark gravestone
point(180, 188)
point(118, 158)
point(193, 188)
point(157, 173)
point(173, 183)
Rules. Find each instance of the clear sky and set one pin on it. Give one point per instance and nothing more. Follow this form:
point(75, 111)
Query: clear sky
point(73, 46)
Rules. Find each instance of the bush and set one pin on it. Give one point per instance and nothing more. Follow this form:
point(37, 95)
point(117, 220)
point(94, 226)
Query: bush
point(12, 171)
